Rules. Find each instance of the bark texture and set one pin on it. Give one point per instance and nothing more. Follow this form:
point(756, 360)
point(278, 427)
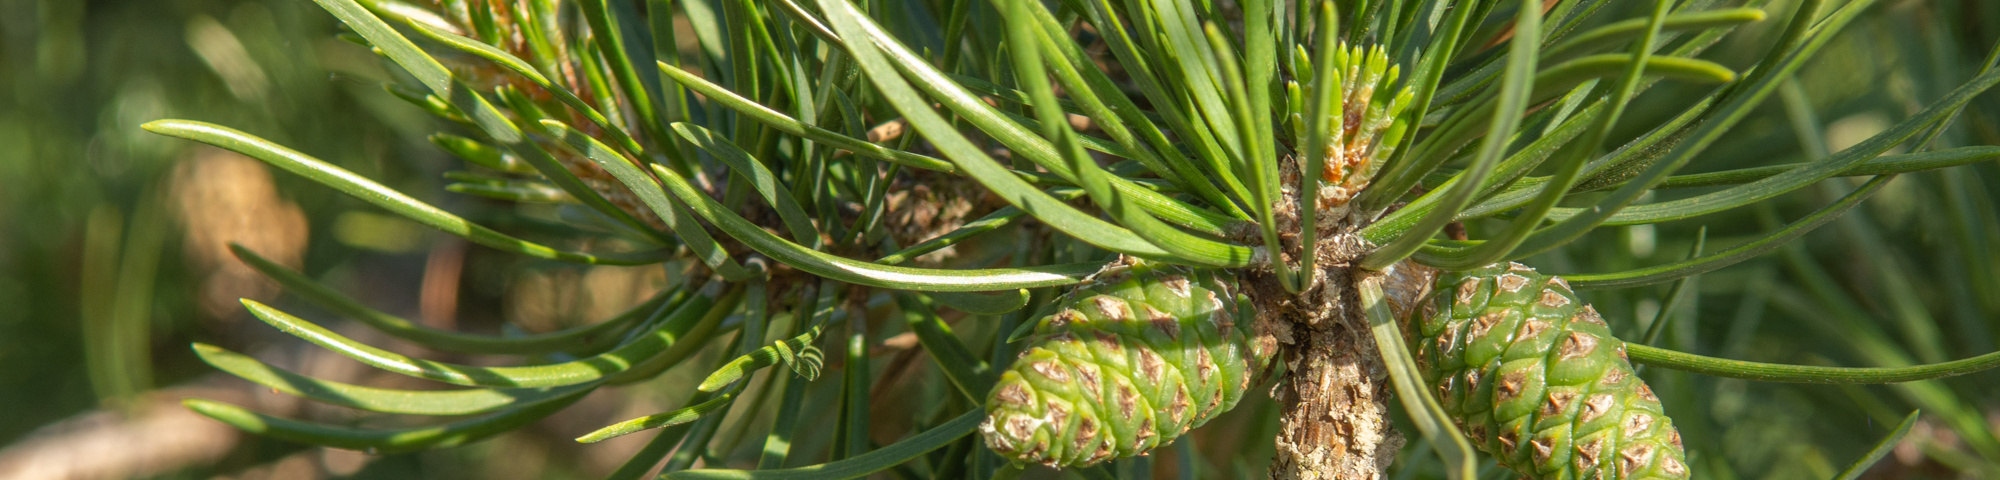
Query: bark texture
point(1336, 391)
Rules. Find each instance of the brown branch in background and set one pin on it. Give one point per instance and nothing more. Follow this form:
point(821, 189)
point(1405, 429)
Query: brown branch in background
point(156, 436)
point(222, 197)
point(887, 131)
point(1507, 32)
point(438, 302)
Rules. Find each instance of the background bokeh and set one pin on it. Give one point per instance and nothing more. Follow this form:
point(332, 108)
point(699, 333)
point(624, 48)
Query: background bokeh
point(113, 252)
point(113, 257)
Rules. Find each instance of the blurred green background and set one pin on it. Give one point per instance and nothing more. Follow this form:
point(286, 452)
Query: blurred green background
point(113, 255)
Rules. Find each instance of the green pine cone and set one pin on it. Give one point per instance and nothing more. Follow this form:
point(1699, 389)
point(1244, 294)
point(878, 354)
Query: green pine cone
point(1132, 359)
point(1535, 378)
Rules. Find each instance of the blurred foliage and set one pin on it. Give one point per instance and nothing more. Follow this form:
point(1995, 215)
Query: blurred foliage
point(1856, 292)
point(92, 236)
point(96, 241)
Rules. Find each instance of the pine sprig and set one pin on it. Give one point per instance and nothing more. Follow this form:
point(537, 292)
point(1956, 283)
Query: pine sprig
point(1112, 153)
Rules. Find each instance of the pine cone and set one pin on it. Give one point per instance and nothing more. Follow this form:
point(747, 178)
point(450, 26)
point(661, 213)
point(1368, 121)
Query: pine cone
point(1131, 360)
point(1535, 378)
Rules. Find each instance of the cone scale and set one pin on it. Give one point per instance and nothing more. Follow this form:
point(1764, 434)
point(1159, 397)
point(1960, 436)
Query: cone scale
point(1534, 377)
point(1129, 361)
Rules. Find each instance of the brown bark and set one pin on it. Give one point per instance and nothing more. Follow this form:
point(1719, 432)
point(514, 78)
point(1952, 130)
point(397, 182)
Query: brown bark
point(1336, 392)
